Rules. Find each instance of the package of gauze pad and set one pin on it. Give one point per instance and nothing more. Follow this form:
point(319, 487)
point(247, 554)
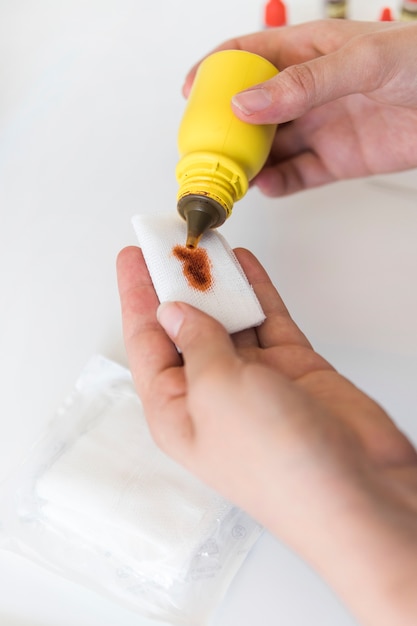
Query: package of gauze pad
point(97, 502)
point(209, 277)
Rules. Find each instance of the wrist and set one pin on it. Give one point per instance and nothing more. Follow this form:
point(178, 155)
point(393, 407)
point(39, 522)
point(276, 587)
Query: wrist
point(366, 550)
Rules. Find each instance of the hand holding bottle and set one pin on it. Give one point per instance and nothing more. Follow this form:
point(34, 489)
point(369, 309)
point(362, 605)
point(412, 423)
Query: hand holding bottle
point(346, 100)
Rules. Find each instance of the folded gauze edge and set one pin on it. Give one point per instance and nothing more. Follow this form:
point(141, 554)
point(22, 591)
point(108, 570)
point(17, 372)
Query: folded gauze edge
point(226, 293)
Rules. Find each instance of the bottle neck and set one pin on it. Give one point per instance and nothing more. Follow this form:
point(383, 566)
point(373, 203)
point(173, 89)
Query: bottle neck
point(211, 175)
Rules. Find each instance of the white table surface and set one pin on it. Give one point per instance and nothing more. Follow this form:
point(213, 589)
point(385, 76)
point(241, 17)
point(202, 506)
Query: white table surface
point(89, 109)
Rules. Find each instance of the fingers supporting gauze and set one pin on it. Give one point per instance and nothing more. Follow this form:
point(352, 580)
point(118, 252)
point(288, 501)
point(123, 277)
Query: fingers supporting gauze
point(208, 277)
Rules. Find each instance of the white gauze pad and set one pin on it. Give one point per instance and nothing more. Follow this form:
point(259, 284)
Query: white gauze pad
point(115, 489)
point(97, 502)
point(229, 298)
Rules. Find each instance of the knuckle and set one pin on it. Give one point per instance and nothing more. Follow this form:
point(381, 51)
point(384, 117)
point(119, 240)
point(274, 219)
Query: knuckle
point(300, 79)
point(367, 54)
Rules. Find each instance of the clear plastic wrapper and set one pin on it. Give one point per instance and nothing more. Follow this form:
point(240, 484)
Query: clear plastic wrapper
point(98, 502)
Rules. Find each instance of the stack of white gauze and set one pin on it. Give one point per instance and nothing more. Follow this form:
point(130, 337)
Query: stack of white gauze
point(100, 503)
point(120, 491)
point(229, 297)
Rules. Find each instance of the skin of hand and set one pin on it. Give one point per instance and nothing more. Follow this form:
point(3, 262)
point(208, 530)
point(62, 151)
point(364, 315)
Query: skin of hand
point(345, 100)
point(263, 419)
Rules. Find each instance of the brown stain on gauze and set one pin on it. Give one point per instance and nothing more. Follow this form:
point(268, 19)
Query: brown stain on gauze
point(196, 266)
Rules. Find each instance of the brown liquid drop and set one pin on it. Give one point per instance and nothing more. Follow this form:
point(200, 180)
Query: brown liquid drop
point(196, 266)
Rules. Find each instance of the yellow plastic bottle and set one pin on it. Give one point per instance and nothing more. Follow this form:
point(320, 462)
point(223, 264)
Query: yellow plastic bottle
point(219, 154)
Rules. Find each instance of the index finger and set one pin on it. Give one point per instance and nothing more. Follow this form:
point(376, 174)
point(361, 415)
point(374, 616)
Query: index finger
point(279, 328)
point(148, 347)
point(290, 45)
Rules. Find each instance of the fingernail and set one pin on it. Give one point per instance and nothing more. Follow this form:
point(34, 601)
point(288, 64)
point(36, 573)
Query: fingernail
point(253, 100)
point(171, 317)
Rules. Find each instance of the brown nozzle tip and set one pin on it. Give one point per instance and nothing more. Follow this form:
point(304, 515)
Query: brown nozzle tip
point(192, 241)
point(201, 214)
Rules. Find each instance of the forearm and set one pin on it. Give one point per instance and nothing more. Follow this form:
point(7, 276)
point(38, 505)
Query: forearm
point(368, 558)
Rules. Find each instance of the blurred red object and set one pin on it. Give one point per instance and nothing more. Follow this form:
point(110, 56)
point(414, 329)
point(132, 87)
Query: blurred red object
point(386, 15)
point(275, 14)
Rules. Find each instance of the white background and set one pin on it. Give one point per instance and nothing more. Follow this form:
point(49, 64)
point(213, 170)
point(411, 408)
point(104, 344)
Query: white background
point(90, 104)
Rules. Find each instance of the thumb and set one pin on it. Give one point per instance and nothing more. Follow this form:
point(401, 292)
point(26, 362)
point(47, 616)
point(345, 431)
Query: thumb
point(300, 88)
point(204, 342)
